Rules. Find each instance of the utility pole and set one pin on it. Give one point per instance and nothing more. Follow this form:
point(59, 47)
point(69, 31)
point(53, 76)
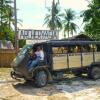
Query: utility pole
point(15, 26)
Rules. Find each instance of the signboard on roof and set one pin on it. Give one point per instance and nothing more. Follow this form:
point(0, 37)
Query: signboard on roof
point(38, 34)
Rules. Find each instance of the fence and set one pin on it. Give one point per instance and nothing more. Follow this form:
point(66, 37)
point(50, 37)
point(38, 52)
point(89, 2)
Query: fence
point(6, 57)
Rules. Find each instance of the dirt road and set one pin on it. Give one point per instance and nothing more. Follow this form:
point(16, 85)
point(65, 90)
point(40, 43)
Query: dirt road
point(75, 88)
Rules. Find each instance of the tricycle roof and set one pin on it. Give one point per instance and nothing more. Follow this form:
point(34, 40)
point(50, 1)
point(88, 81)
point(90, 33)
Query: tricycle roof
point(65, 43)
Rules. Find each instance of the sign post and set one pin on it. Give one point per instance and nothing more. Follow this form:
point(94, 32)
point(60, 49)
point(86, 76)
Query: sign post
point(24, 34)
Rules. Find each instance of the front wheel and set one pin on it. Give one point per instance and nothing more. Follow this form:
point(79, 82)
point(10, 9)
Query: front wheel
point(94, 72)
point(41, 78)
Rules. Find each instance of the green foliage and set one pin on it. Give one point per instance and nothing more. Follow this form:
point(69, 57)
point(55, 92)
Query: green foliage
point(6, 34)
point(6, 12)
point(91, 18)
point(22, 43)
point(69, 25)
point(6, 20)
point(53, 18)
point(57, 20)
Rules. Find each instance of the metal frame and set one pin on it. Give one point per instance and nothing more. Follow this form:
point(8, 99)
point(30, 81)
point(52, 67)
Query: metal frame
point(59, 43)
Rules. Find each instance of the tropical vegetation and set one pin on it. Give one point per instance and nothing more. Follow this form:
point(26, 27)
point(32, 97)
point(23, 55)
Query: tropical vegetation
point(91, 18)
point(57, 20)
point(69, 25)
point(6, 20)
point(53, 17)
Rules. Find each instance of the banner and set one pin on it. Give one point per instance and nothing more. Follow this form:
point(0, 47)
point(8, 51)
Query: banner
point(38, 34)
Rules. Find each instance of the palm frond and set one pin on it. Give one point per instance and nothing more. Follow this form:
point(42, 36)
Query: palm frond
point(52, 19)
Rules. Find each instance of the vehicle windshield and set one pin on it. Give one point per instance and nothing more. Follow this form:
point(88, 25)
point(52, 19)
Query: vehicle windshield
point(24, 49)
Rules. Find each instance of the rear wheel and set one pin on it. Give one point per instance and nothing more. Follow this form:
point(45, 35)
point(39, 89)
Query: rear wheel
point(41, 78)
point(94, 72)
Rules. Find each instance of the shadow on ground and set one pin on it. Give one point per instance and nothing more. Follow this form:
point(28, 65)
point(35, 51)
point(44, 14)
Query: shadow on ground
point(29, 88)
point(69, 85)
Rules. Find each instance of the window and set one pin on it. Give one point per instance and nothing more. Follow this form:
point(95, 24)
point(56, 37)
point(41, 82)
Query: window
point(60, 50)
point(67, 49)
point(89, 48)
point(74, 49)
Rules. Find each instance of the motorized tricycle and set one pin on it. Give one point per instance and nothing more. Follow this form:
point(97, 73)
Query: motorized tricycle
point(61, 56)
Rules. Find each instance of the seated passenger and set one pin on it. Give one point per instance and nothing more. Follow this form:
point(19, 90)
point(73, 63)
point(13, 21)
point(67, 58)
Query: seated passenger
point(39, 56)
point(40, 53)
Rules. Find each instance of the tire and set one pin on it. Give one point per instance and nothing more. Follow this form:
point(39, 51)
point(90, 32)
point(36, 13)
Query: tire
point(41, 78)
point(94, 72)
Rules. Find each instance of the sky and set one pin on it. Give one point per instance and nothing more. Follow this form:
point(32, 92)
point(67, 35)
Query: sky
point(32, 12)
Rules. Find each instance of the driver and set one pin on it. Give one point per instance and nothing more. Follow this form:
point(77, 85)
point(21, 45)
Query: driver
point(39, 55)
point(32, 57)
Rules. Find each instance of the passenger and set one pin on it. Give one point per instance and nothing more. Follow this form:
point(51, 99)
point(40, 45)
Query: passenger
point(39, 57)
point(40, 53)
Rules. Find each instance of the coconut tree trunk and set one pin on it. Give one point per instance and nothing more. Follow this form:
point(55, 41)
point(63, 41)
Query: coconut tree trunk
point(64, 34)
point(72, 33)
point(53, 3)
point(68, 29)
point(68, 33)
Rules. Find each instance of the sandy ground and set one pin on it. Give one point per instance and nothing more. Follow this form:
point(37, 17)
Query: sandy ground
point(74, 88)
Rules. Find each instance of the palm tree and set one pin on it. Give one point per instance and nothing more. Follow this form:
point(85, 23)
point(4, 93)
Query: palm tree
point(73, 28)
point(5, 12)
point(6, 18)
point(53, 18)
point(69, 25)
